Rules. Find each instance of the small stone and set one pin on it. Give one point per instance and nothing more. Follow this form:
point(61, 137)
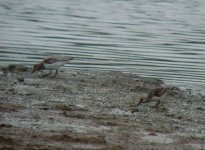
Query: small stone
point(44, 108)
point(134, 110)
point(200, 108)
point(170, 115)
point(20, 79)
point(152, 134)
point(5, 125)
point(11, 89)
point(29, 94)
point(51, 118)
point(2, 88)
point(74, 74)
point(179, 117)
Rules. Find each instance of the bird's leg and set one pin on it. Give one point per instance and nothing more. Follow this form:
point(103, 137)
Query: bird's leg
point(157, 104)
point(55, 73)
point(141, 101)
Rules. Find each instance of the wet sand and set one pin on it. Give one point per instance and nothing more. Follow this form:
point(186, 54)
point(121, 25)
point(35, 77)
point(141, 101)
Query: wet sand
point(95, 110)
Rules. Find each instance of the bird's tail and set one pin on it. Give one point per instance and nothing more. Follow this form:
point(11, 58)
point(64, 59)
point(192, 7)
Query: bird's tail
point(67, 58)
point(62, 58)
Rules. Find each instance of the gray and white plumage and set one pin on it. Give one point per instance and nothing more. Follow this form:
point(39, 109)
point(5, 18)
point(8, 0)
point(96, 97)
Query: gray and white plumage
point(52, 63)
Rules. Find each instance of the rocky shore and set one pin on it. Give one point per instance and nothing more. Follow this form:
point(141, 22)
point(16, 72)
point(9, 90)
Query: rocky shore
point(81, 110)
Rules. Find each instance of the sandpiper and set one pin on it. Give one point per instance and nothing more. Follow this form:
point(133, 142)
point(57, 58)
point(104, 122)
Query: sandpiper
point(158, 92)
point(51, 63)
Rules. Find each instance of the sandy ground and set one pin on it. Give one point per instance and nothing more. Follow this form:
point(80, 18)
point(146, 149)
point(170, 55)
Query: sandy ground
point(81, 110)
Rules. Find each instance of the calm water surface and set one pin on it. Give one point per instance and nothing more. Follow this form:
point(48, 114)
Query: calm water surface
point(154, 38)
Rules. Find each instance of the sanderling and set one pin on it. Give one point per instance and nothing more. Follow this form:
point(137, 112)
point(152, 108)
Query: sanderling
point(52, 63)
point(158, 92)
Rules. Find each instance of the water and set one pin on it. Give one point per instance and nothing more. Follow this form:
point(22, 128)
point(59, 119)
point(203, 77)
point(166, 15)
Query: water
point(154, 38)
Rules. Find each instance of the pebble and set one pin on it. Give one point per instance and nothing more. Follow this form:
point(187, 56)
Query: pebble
point(11, 89)
point(20, 79)
point(200, 108)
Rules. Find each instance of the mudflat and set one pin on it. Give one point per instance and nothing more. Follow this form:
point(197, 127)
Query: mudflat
point(95, 110)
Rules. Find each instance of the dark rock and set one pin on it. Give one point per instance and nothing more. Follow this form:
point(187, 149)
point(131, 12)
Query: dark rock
point(44, 108)
point(2, 88)
point(20, 79)
point(170, 115)
point(200, 108)
point(179, 117)
point(134, 110)
point(11, 89)
point(5, 125)
point(29, 94)
point(152, 134)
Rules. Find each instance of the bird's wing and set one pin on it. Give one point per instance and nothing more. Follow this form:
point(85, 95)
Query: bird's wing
point(50, 60)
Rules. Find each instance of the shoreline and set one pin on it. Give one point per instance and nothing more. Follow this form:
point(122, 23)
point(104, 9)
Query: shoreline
point(94, 110)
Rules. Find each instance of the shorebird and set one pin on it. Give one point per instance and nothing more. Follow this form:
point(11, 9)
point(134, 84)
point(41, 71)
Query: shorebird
point(51, 63)
point(158, 92)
